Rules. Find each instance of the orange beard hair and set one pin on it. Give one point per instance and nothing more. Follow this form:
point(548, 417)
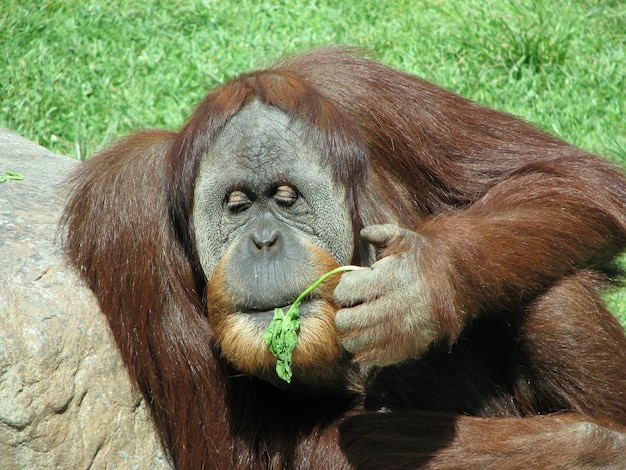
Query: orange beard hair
point(241, 340)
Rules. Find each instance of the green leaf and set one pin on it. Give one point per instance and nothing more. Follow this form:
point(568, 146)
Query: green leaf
point(10, 175)
point(281, 336)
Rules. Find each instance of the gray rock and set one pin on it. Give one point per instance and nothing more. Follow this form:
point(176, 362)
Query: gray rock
point(66, 400)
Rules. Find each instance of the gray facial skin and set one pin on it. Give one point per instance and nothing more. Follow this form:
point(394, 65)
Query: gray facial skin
point(262, 198)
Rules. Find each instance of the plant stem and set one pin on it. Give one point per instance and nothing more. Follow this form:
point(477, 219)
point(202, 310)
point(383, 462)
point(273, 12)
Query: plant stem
point(325, 276)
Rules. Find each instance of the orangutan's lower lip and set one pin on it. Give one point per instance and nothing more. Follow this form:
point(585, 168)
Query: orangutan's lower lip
point(262, 311)
point(304, 307)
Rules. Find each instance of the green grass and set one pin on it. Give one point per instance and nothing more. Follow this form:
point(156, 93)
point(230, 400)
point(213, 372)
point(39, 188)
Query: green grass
point(75, 75)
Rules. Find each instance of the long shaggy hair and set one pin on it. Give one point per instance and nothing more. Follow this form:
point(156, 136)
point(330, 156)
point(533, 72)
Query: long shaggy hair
point(515, 218)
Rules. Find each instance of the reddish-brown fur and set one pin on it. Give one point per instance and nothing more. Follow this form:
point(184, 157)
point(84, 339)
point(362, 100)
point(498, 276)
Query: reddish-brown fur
point(520, 227)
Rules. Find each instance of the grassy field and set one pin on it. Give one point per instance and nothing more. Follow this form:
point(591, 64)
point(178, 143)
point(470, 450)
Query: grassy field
point(76, 74)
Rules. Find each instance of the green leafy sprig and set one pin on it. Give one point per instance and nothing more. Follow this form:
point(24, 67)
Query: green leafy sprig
point(10, 175)
point(281, 335)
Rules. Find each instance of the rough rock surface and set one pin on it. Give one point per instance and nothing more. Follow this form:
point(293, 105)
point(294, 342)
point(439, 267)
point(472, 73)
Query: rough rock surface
point(65, 398)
